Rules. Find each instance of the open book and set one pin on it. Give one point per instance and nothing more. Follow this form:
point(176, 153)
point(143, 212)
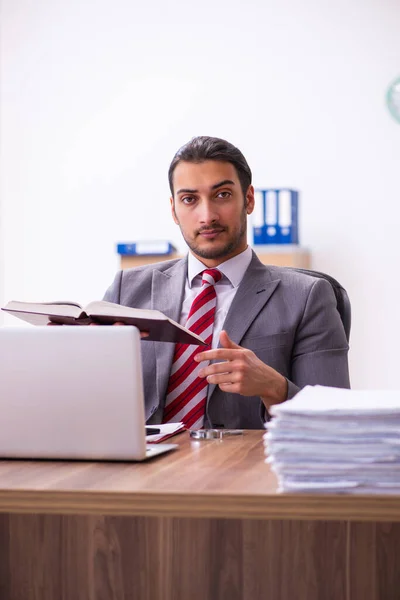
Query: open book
point(159, 327)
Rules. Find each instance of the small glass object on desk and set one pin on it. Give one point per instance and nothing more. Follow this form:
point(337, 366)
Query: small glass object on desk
point(213, 434)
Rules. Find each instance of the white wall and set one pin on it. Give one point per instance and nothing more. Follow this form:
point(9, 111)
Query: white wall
point(97, 96)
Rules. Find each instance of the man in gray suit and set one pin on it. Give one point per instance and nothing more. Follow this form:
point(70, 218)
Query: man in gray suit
point(275, 330)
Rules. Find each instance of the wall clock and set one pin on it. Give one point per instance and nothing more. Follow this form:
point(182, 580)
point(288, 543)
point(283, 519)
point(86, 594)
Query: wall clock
point(393, 99)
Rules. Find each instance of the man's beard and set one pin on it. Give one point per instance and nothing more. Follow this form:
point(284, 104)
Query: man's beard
point(218, 251)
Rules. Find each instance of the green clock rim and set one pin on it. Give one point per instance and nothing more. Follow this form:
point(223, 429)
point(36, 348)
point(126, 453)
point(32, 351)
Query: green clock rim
point(395, 115)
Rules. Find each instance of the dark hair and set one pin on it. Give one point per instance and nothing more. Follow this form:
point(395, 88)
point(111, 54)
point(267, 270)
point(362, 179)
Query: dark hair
point(203, 148)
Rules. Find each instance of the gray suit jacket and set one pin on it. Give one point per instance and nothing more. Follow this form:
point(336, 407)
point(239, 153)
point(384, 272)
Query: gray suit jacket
point(289, 320)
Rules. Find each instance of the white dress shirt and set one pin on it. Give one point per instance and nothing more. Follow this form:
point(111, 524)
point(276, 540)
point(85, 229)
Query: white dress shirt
point(232, 271)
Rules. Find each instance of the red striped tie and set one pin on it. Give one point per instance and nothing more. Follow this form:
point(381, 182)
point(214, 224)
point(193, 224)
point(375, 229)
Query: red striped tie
point(187, 393)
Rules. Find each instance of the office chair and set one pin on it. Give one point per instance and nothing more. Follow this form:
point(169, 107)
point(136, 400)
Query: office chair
point(342, 299)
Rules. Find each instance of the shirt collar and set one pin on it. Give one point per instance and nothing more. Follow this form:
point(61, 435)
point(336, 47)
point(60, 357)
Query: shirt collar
point(233, 269)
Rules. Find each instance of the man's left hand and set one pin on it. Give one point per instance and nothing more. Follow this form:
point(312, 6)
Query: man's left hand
point(242, 372)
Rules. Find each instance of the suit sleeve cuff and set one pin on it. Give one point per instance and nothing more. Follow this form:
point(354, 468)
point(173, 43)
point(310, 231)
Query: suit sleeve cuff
point(291, 391)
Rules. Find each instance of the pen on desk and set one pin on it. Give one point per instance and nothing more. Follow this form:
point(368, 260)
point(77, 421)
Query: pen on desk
point(152, 430)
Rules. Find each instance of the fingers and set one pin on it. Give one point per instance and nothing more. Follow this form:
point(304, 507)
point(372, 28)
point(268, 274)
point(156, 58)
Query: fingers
point(227, 352)
point(228, 382)
point(216, 354)
point(225, 373)
point(224, 378)
point(220, 367)
point(226, 341)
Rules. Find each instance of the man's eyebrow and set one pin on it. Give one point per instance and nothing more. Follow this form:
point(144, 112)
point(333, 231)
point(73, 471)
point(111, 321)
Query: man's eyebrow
point(221, 183)
point(213, 187)
point(186, 191)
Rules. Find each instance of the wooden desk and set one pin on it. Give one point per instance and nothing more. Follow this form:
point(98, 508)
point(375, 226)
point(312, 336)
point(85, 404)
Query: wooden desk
point(204, 522)
point(281, 257)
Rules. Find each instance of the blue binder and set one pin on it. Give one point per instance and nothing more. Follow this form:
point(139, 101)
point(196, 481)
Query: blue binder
point(146, 248)
point(279, 217)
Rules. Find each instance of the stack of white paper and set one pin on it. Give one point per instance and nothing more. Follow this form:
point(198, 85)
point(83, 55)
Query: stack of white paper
point(333, 440)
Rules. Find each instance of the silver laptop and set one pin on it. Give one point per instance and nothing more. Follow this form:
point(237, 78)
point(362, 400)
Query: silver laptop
point(73, 393)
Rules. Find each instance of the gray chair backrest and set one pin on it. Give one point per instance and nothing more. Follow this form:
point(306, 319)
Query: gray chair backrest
point(342, 299)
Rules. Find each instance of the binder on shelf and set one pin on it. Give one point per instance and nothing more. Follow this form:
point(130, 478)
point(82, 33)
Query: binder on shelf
point(146, 248)
point(277, 221)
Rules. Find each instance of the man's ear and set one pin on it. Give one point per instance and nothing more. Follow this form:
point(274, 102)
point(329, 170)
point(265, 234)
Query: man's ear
point(250, 200)
point(173, 211)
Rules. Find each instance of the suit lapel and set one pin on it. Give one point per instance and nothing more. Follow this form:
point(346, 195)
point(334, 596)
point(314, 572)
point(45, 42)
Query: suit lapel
point(168, 288)
point(253, 293)
point(167, 296)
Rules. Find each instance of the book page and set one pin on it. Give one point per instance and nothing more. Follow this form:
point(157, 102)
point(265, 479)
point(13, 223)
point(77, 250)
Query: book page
point(144, 319)
point(67, 309)
point(110, 309)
